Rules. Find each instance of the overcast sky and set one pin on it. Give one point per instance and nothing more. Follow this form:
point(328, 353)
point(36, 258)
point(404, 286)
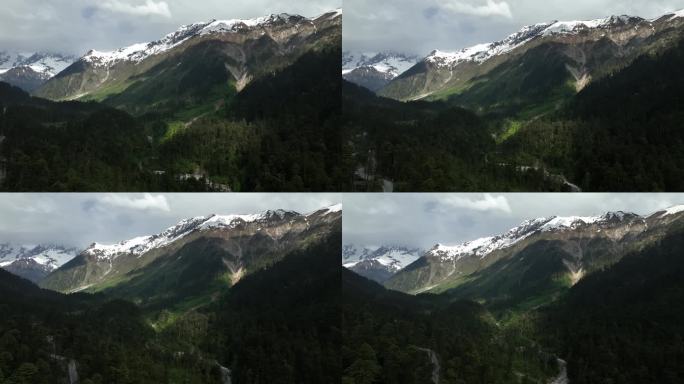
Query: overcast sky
point(75, 26)
point(81, 219)
point(423, 220)
point(419, 26)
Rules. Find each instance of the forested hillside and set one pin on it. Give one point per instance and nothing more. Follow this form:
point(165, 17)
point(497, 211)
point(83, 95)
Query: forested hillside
point(279, 133)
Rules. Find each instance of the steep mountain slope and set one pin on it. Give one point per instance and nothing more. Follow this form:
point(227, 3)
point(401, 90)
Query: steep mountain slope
point(378, 263)
point(279, 323)
point(34, 262)
point(48, 337)
point(283, 324)
point(189, 262)
point(375, 70)
point(390, 337)
point(535, 262)
point(619, 323)
point(280, 133)
point(30, 71)
point(488, 75)
point(404, 142)
point(199, 63)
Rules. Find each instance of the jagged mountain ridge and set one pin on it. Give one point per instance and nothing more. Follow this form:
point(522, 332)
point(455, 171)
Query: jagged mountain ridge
point(233, 53)
point(34, 262)
point(378, 263)
point(587, 50)
point(375, 70)
point(231, 246)
point(577, 245)
point(29, 71)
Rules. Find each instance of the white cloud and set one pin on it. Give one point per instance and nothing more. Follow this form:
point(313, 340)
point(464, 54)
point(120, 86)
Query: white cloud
point(149, 8)
point(146, 202)
point(485, 203)
point(491, 8)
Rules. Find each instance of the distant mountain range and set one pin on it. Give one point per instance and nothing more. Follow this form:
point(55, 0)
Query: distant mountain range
point(192, 302)
point(34, 262)
point(375, 70)
point(545, 302)
point(30, 71)
point(378, 263)
point(584, 50)
point(198, 61)
point(556, 106)
point(180, 113)
point(192, 258)
point(539, 258)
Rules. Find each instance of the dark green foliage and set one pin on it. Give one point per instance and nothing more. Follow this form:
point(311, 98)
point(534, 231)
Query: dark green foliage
point(537, 78)
point(385, 331)
point(632, 134)
point(625, 324)
point(426, 147)
point(298, 110)
point(195, 271)
point(534, 277)
point(621, 133)
point(73, 147)
point(282, 325)
point(173, 85)
point(281, 133)
point(41, 331)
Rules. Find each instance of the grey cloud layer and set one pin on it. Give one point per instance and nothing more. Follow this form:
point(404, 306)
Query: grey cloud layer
point(75, 26)
point(419, 26)
point(80, 219)
point(426, 219)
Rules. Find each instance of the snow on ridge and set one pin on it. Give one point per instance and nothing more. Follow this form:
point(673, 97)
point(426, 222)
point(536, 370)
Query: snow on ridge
point(334, 208)
point(674, 209)
point(392, 257)
point(484, 246)
point(137, 246)
point(49, 257)
point(389, 63)
point(482, 52)
point(676, 14)
point(140, 51)
point(46, 64)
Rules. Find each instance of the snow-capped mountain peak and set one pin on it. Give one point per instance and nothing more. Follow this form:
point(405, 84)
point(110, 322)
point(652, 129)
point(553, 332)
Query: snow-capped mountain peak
point(45, 64)
point(482, 52)
point(486, 245)
point(46, 257)
point(392, 256)
point(669, 211)
point(140, 245)
point(334, 208)
point(140, 51)
point(390, 63)
point(378, 263)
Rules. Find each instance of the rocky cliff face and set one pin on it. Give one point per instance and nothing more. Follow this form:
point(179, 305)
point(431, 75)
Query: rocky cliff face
point(240, 244)
point(238, 51)
point(575, 245)
point(588, 49)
